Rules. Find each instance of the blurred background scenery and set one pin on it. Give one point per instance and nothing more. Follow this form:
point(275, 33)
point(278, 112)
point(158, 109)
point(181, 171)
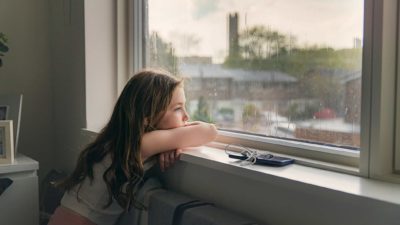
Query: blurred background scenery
point(286, 69)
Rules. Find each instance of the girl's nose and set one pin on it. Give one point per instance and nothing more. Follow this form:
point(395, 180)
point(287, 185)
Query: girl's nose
point(186, 116)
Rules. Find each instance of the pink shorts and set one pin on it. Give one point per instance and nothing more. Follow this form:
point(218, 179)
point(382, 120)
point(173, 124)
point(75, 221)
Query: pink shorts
point(65, 216)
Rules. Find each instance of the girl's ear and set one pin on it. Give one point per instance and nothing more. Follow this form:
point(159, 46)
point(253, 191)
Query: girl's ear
point(146, 121)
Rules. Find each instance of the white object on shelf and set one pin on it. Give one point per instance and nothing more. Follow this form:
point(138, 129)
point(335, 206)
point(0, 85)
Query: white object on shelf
point(19, 203)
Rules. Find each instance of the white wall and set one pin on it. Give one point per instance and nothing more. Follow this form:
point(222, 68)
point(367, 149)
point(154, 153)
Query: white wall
point(83, 47)
point(46, 63)
point(26, 70)
point(101, 63)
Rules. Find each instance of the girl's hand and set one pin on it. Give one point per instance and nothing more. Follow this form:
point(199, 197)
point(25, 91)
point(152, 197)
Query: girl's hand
point(191, 123)
point(167, 159)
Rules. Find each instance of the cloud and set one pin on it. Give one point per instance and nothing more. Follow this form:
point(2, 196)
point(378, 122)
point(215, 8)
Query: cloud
point(202, 8)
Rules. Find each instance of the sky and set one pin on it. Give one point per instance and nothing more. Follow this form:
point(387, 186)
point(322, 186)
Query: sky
point(199, 27)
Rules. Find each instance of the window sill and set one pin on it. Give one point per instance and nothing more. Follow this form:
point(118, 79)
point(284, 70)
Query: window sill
point(295, 174)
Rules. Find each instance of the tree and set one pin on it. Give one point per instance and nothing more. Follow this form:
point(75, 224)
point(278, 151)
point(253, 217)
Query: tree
point(326, 88)
point(318, 69)
point(259, 45)
point(162, 54)
point(264, 49)
point(251, 117)
point(259, 42)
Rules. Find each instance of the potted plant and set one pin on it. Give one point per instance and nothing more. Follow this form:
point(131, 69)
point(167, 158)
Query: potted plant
point(3, 47)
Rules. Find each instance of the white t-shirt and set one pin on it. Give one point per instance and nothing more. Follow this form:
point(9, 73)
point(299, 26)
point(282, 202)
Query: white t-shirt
point(94, 196)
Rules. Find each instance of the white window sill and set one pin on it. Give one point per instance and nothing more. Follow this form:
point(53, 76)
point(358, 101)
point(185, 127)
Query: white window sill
point(295, 174)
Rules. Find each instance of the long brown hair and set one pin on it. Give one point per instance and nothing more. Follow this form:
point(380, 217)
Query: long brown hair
point(139, 108)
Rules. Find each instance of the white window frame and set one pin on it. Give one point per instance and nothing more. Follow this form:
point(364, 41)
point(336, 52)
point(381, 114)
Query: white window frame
point(380, 48)
point(380, 65)
point(138, 33)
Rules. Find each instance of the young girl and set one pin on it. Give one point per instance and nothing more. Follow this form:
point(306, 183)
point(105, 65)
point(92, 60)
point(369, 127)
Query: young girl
point(149, 119)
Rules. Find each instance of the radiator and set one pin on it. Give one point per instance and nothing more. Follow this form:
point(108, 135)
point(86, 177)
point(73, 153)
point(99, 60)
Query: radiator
point(166, 207)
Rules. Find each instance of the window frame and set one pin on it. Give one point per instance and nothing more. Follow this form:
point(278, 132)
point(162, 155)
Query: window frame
point(397, 142)
point(378, 141)
point(376, 158)
point(138, 29)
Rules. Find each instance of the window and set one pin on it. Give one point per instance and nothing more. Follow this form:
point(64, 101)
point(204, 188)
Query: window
point(302, 77)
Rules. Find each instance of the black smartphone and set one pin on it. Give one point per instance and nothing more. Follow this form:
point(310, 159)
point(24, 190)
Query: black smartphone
point(265, 159)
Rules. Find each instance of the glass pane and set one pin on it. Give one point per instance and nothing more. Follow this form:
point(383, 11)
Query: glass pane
point(287, 68)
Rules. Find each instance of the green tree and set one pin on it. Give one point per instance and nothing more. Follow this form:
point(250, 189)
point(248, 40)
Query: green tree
point(314, 67)
point(264, 49)
point(327, 89)
point(259, 42)
point(294, 112)
point(259, 45)
point(251, 117)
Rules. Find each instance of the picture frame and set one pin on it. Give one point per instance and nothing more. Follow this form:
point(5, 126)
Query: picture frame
point(6, 142)
point(11, 104)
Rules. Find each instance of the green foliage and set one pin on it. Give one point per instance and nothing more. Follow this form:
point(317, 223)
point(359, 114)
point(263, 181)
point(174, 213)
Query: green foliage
point(202, 112)
point(295, 113)
point(251, 116)
point(259, 42)
point(3, 47)
point(302, 61)
point(265, 49)
point(326, 88)
point(299, 62)
point(226, 111)
point(226, 114)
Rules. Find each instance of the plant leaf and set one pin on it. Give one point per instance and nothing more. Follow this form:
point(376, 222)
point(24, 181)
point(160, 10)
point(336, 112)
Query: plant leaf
point(3, 38)
point(3, 47)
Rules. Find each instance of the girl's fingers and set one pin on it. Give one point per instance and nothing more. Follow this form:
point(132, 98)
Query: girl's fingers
point(162, 162)
point(178, 153)
point(172, 157)
point(167, 161)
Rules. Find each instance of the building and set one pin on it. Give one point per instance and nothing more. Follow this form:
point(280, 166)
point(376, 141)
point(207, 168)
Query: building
point(233, 89)
point(233, 34)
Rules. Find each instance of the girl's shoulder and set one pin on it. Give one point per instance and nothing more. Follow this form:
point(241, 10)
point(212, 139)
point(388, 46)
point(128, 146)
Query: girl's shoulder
point(106, 162)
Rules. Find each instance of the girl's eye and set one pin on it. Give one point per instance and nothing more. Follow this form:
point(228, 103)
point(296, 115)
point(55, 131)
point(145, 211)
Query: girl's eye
point(179, 108)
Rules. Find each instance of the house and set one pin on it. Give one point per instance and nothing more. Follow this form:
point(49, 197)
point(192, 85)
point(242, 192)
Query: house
point(236, 87)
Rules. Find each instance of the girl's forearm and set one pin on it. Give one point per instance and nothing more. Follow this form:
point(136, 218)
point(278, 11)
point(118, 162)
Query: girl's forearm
point(191, 135)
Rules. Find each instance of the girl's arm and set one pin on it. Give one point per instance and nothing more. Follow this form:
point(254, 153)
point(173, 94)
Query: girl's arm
point(195, 134)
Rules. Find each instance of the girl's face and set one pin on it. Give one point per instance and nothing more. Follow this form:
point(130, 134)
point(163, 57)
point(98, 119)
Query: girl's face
point(175, 115)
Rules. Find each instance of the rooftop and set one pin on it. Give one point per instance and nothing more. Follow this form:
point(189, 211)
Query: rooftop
point(218, 71)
